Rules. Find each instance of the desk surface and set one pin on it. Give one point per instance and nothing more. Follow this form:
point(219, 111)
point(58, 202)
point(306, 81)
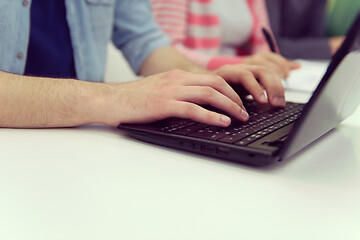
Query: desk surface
point(93, 182)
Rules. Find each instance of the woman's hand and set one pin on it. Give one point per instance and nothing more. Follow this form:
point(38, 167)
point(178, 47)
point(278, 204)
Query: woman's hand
point(274, 61)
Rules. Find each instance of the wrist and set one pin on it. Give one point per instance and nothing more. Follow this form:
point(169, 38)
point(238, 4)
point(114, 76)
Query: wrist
point(93, 103)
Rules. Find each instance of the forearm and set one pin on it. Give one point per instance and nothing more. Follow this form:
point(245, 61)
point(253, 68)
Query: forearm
point(32, 102)
point(166, 59)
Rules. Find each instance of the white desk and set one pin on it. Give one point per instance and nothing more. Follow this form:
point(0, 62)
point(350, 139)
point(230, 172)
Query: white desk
point(94, 182)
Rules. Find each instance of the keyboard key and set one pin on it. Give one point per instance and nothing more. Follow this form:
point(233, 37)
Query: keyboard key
point(190, 129)
point(210, 134)
point(234, 137)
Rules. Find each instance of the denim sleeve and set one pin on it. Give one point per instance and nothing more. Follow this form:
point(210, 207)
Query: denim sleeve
point(135, 32)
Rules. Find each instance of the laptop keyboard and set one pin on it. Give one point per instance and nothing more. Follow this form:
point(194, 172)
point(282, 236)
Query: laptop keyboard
point(263, 120)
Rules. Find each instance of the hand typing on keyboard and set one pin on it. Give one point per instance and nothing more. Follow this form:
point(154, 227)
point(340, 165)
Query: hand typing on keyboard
point(263, 121)
point(256, 79)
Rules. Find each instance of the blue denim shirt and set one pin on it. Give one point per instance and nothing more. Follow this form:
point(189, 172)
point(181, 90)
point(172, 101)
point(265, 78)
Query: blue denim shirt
point(92, 24)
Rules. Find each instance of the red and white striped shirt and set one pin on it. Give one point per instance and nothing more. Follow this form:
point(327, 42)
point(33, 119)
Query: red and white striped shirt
point(193, 28)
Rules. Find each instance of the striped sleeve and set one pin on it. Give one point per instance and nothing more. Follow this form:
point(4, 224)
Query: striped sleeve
point(194, 29)
point(259, 12)
point(183, 24)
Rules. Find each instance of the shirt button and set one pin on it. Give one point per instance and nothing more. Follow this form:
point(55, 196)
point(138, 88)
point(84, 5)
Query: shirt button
point(20, 55)
point(25, 3)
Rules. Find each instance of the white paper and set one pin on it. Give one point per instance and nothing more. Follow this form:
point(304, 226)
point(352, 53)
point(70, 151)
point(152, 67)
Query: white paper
point(307, 77)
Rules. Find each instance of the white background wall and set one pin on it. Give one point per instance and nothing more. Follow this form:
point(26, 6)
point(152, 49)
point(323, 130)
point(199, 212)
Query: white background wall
point(117, 68)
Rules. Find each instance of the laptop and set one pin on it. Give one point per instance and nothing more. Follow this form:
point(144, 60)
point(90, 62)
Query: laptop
point(271, 134)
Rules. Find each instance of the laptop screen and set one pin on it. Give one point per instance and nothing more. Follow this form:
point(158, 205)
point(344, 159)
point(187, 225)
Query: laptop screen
point(335, 98)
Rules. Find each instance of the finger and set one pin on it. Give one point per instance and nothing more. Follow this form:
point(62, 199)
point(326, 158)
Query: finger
point(217, 83)
point(212, 80)
point(268, 63)
point(210, 96)
point(282, 63)
point(247, 79)
point(272, 84)
point(294, 65)
point(195, 112)
point(261, 60)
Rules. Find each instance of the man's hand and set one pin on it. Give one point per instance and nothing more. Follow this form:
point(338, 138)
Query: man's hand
point(39, 102)
point(255, 80)
point(31, 102)
point(173, 94)
point(274, 61)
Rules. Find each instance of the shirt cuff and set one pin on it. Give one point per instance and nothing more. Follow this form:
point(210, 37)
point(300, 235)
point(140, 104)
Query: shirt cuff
point(141, 48)
point(219, 61)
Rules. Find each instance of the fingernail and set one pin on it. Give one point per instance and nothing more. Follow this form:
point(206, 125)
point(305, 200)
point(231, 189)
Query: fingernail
point(279, 101)
point(244, 114)
point(225, 119)
point(262, 98)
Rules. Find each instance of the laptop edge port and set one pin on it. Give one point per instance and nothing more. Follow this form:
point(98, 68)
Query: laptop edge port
point(206, 148)
point(222, 151)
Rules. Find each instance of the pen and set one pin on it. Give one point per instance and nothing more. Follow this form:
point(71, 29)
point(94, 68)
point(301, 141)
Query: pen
point(272, 45)
point(270, 41)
